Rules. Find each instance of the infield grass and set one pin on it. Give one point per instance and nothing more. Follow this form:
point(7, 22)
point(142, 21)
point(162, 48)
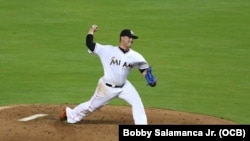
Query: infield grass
point(199, 51)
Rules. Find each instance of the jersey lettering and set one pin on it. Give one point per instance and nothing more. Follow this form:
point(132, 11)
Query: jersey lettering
point(127, 65)
point(117, 62)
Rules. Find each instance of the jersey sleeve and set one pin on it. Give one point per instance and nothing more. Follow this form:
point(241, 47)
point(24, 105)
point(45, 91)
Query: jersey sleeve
point(101, 50)
point(143, 65)
point(141, 62)
point(97, 49)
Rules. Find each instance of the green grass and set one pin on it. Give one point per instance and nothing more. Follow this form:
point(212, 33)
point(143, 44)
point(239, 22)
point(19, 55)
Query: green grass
point(199, 51)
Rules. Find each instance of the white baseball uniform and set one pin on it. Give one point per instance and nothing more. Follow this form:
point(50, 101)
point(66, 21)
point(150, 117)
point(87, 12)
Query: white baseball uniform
point(113, 83)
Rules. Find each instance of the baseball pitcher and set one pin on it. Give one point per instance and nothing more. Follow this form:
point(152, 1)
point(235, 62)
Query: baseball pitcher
point(117, 62)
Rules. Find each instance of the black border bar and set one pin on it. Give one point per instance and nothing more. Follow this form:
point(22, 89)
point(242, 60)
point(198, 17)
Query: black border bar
point(193, 132)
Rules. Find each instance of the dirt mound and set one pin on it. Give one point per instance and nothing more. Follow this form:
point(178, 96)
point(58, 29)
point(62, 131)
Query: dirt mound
point(101, 125)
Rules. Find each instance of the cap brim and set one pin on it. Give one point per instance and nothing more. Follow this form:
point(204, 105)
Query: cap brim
point(135, 37)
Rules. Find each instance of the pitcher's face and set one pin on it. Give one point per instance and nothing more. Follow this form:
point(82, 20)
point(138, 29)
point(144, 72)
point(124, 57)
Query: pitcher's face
point(127, 41)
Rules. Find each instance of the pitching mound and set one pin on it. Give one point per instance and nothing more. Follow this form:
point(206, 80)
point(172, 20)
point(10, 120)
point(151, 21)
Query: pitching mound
point(43, 122)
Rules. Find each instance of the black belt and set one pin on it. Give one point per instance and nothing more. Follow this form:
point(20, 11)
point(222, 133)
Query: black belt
point(114, 86)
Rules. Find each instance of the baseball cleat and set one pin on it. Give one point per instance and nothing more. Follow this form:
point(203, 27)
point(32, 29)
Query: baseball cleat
point(63, 115)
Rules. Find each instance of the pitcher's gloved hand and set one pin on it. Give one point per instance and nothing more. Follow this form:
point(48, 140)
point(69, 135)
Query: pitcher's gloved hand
point(150, 77)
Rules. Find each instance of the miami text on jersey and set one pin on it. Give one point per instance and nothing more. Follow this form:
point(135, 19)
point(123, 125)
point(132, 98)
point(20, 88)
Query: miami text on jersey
point(115, 61)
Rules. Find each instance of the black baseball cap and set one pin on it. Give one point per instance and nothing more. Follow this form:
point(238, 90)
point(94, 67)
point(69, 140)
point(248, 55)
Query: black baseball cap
point(129, 33)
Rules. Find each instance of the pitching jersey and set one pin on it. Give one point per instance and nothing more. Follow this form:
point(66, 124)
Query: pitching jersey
point(117, 64)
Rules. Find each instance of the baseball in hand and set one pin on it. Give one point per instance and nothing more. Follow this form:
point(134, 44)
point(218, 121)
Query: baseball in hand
point(94, 27)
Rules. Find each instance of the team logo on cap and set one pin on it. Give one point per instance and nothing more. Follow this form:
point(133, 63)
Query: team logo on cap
point(131, 32)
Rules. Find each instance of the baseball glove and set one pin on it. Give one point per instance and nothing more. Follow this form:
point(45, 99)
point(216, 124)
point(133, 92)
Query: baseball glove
point(150, 78)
